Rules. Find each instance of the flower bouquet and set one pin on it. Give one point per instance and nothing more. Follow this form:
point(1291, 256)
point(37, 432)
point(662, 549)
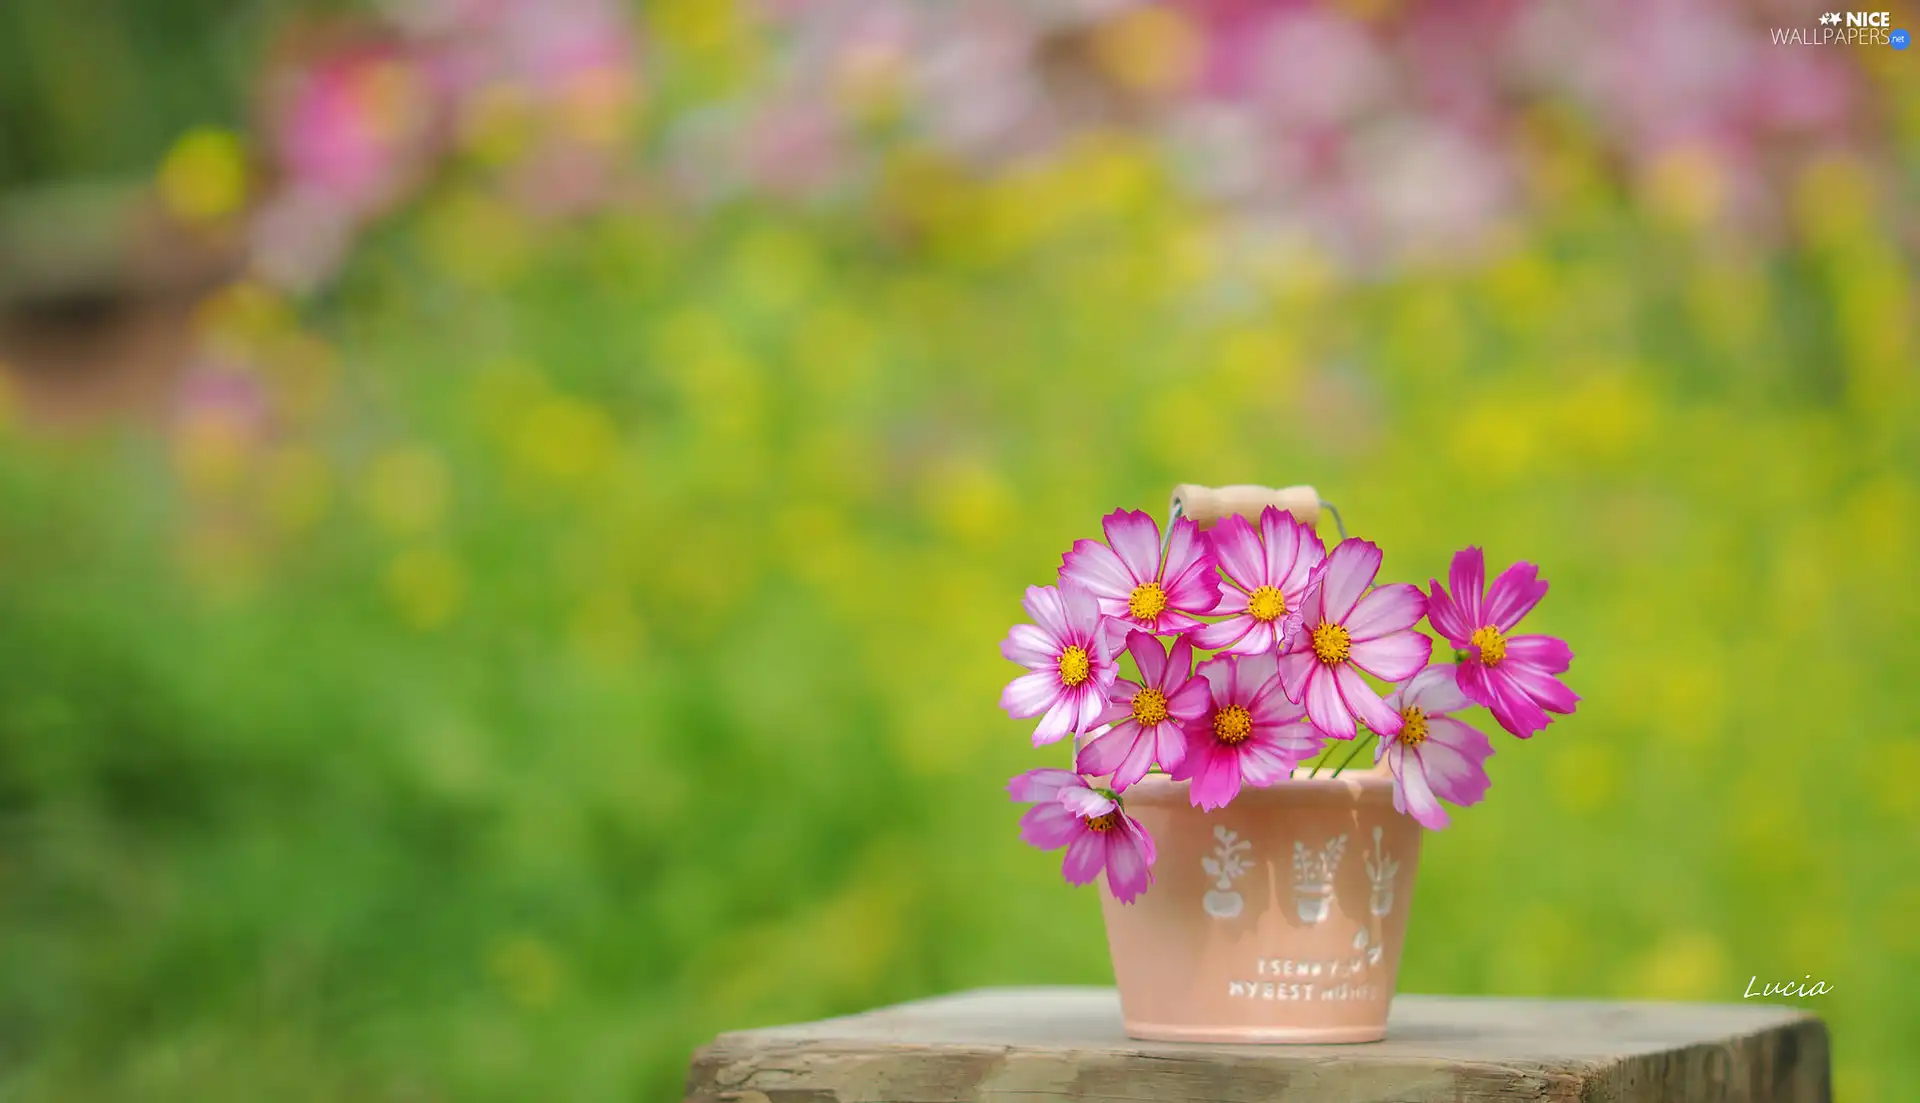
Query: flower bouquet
point(1251, 871)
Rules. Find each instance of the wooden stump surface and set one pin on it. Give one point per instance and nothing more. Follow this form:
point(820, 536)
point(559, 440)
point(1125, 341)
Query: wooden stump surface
point(1038, 1045)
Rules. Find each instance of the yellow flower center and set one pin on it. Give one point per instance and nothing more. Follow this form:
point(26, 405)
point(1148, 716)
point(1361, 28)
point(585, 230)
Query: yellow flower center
point(1149, 706)
point(1413, 731)
point(1267, 604)
point(1331, 643)
point(1148, 601)
point(1106, 821)
point(1075, 666)
point(1492, 645)
point(1232, 725)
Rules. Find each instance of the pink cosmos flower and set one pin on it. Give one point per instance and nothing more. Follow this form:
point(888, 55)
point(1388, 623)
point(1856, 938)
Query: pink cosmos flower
point(1251, 734)
point(1346, 629)
point(1090, 824)
point(1434, 757)
point(1266, 577)
point(1071, 666)
point(1135, 585)
point(1513, 676)
point(1147, 717)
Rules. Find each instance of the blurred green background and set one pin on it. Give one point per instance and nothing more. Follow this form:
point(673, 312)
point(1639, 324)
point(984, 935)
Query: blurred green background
point(550, 633)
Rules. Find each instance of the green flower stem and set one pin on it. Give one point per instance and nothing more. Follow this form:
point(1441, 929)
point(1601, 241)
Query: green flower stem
point(1358, 742)
point(1360, 737)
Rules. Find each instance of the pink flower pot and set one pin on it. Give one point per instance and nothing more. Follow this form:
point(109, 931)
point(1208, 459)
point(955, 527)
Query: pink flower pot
point(1279, 918)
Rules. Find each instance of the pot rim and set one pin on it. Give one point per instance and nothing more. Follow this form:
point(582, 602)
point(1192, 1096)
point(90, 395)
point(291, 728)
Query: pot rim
point(1374, 781)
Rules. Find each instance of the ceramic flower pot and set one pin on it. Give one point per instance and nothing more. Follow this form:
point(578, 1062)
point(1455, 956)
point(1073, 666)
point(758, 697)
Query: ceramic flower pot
point(1279, 918)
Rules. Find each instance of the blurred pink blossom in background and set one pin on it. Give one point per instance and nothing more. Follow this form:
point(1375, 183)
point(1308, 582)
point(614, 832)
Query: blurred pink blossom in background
point(1404, 136)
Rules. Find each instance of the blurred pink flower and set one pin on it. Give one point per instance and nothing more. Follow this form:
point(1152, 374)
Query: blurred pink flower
point(1316, 69)
point(1135, 586)
point(1347, 628)
point(1069, 660)
point(1266, 575)
point(350, 128)
point(1147, 717)
point(1515, 677)
point(1434, 757)
point(1250, 735)
point(1097, 833)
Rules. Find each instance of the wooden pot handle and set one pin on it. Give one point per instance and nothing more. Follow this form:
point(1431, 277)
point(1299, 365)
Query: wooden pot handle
point(1208, 504)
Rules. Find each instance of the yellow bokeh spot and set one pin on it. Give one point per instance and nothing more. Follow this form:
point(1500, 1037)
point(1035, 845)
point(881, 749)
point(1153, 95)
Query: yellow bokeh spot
point(1191, 255)
point(1883, 515)
point(1872, 289)
point(244, 315)
point(498, 124)
point(695, 25)
point(1685, 965)
point(1429, 335)
point(775, 269)
point(1833, 201)
point(719, 381)
point(1107, 173)
point(565, 439)
point(1253, 361)
point(526, 969)
point(1149, 49)
point(303, 369)
point(1689, 700)
point(928, 191)
point(204, 176)
point(1730, 304)
point(1818, 938)
point(596, 107)
point(1297, 274)
point(476, 238)
point(1770, 820)
point(212, 451)
point(1687, 186)
point(1497, 441)
point(968, 500)
point(1892, 778)
point(501, 394)
point(833, 347)
point(1897, 930)
point(427, 585)
point(408, 490)
point(1585, 776)
point(1546, 959)
point(297, 487)
point(1609, 415)
point(816, 544)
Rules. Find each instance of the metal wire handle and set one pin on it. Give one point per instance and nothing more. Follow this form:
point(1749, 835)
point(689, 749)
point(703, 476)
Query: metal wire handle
point(1174, 515)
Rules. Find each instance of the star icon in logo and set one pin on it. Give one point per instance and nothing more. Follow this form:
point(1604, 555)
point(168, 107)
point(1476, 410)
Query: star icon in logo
point(1830, 17)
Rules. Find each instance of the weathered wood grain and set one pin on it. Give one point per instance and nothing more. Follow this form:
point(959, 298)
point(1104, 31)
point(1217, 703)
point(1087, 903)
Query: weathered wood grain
point(1036, 1045)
